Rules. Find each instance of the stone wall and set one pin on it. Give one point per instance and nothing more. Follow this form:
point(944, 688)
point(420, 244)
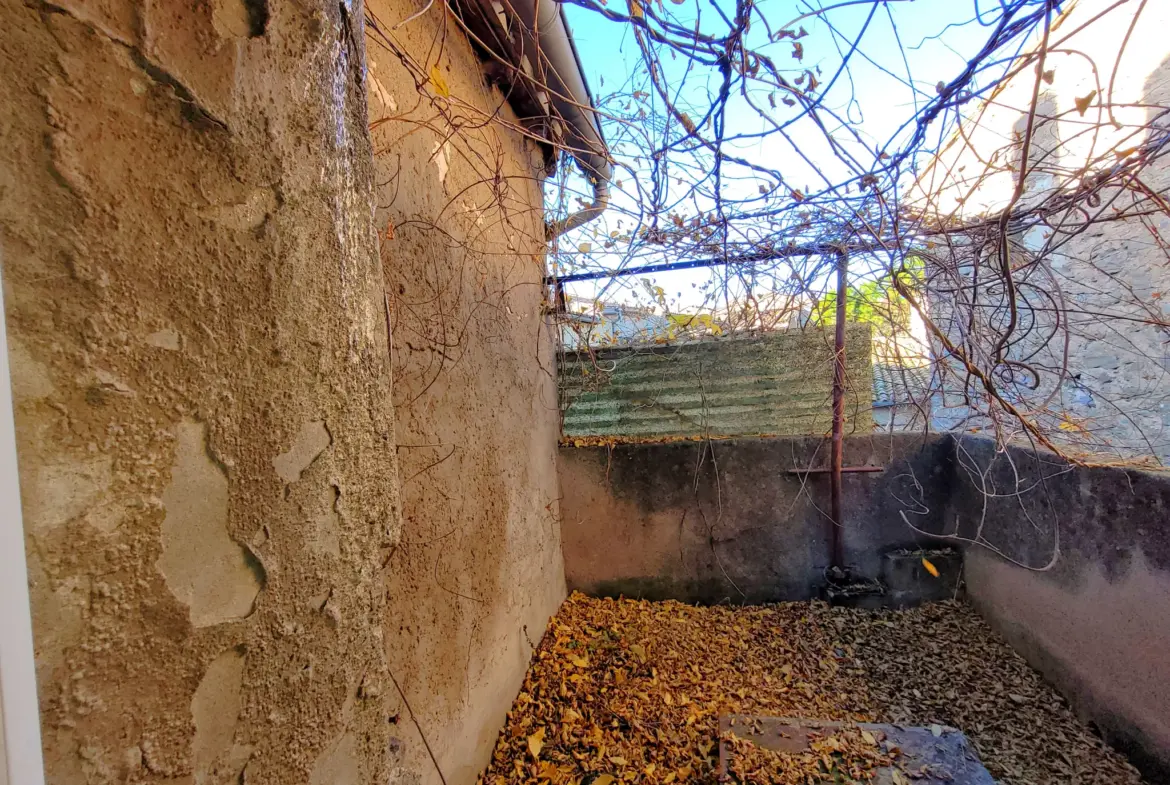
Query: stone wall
point(197, 334)
point(1092, 315)
point(478, 572)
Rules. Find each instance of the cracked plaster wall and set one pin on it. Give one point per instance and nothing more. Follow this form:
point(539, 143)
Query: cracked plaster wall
point(201, 375)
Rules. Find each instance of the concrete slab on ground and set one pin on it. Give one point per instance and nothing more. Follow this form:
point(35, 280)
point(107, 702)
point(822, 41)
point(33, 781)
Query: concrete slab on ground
point(932, 755)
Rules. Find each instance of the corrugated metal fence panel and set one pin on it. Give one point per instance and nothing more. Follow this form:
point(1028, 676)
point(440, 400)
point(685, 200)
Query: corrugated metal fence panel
point(777, 384)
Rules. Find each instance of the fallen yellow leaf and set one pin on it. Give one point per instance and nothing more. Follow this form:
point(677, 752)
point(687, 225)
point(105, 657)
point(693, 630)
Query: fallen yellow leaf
point(536, 743)
point(929, 566)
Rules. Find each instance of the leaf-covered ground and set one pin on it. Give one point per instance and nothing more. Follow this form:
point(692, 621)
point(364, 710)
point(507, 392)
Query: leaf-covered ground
point(630, 691)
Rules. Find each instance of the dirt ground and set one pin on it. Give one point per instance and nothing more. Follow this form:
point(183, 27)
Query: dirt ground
point(631, 691)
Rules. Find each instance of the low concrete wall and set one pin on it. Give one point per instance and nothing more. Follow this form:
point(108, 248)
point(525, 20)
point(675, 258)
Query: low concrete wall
point(1070, 564)
point(726, 521)
point(1082, 588)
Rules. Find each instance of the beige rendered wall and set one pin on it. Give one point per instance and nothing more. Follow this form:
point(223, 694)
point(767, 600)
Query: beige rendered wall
point(478, 572)
point(201, 377)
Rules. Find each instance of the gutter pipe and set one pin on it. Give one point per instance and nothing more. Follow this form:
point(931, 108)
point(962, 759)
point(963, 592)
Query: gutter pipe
point(545, 32)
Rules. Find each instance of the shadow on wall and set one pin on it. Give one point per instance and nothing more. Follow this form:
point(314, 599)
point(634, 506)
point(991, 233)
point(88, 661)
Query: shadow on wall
point(737, 520)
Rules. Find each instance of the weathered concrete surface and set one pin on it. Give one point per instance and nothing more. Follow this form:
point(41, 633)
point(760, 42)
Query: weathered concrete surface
point(1083, 587)
point(479, 569)
point(194, 297)
point(725, 521)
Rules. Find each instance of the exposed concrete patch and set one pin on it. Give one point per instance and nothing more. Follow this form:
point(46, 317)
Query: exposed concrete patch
point(249, 213)
point(166, 338)
point(338, 764)
point(30, 379)
point(111, 383)
point(323, 534)
point(312, 440)
point(202, 67)
point(65, 489)
point(203, 567)
point(231, 18)
point(215, 708)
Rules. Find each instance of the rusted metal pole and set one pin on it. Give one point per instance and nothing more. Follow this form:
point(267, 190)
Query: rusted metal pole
point(836, 552)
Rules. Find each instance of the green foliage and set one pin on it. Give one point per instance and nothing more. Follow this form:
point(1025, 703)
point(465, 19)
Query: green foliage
point(875, 302)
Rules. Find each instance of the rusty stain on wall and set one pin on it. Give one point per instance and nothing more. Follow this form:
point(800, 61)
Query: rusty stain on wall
point(312, 440)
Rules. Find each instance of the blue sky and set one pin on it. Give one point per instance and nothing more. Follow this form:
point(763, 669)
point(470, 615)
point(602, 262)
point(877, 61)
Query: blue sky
point(907, 48)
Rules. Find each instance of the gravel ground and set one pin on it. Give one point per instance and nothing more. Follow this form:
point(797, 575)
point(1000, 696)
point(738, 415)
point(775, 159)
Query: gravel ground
point(630, 691)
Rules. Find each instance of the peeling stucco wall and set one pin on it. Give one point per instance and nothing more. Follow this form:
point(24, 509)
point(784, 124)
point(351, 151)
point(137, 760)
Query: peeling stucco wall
point(201, 374)
point(478, 572)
